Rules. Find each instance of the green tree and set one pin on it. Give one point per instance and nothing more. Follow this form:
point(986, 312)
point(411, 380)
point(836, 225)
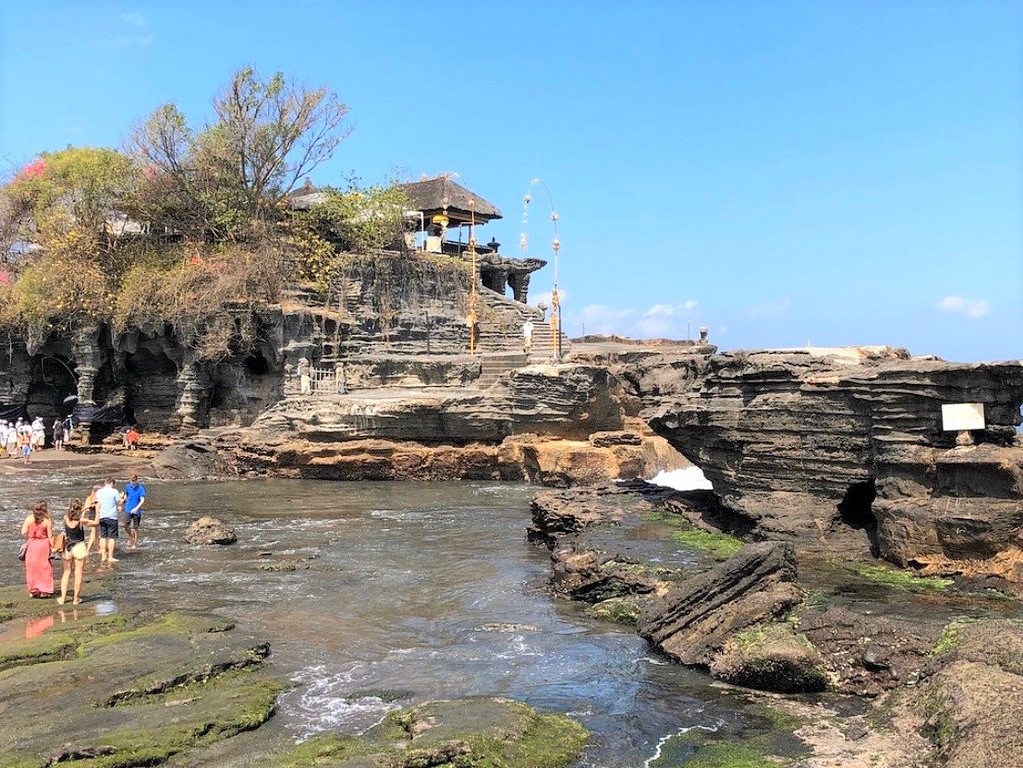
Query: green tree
point(76, 192)
point(230, 179)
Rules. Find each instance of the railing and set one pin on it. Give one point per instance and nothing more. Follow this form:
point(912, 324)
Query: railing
point(316, 381)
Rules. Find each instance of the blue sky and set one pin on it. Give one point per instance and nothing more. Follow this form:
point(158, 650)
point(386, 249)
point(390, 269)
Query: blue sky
point(783, 172)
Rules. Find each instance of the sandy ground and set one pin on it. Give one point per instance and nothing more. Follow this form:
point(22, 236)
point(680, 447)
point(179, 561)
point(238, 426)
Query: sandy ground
point(118, 463)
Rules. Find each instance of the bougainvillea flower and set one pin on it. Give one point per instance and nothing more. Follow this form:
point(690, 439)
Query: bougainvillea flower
point(34, 170)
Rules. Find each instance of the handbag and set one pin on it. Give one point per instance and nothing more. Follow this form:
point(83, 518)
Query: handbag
point(23, 552)
point(59, 543)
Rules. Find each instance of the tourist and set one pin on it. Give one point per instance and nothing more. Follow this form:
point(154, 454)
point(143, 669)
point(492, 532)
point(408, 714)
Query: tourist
point(38, 532)
point(133, 498)
point(75, 550)
point(90, 510)
point(527, 336)
point(12, 440)
point(38, 432)
point(26, 447)
point(107, 498)
point(132, 436)
point(58, 434)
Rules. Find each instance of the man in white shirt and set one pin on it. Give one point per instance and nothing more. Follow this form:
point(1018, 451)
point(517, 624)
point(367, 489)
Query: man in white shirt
point(107, 499)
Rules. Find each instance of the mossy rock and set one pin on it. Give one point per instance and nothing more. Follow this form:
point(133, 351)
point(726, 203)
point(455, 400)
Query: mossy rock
point(467, 733)
point(771, 657)
point(895, 578)
point(141, 692)
point(764, 742)
point(620, 610)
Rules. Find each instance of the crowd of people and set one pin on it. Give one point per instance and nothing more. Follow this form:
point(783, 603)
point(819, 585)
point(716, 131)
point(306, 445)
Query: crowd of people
point(100, 515)
point(25, 436)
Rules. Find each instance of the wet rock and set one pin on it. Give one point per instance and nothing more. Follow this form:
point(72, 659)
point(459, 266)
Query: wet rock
point(192, 460)
point(693, 621)
point(772, 657)
point(188, 685)
point(210, 530)
point(868, 654)
point(607, 541)
point(472, 733)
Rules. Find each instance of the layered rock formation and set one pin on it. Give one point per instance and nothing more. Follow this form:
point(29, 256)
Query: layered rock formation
point(546, 423)
point(801, 443)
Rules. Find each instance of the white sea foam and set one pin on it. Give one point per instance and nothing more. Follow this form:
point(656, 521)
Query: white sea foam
point(688, 479)
point(665, 739)
point(321, 703)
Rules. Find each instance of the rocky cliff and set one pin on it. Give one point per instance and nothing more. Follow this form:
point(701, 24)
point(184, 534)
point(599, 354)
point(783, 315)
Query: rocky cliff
point(813, 443)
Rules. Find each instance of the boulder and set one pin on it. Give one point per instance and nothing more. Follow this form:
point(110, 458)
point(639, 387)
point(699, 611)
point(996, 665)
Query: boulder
point(210, 530)
point(694, 620)
point(190, 460)
point(771, 657)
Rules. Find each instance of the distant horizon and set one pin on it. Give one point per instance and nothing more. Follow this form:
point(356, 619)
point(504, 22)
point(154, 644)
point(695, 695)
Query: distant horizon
point(786, 174)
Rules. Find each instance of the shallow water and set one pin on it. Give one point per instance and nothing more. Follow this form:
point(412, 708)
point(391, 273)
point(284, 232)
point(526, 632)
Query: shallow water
point(401, 592)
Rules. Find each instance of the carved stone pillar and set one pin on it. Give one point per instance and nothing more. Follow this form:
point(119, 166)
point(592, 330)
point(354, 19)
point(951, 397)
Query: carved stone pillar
point(519, 282)
point(88, 358)
point(192, 407)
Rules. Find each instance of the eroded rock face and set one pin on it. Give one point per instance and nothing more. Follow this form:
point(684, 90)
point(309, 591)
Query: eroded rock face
point(801, 442)
point(692, 622)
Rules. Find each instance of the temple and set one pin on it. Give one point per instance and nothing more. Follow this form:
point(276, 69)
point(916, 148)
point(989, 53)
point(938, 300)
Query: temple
point(439, 206)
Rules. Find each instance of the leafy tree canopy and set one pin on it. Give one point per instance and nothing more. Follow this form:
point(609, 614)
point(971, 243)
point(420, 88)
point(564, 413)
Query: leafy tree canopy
point(186, 227)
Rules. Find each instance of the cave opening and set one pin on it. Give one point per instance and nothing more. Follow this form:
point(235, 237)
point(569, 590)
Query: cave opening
point(53, 381)
point(856, 510)
point(256, 364)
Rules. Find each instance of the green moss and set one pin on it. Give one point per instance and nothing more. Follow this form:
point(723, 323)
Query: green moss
point(171, 623)
point(468, 733)
point(20, 760)
point(218, 710)
point(721, 545)
point(900, 579)
point(329, 748)
point(951, 635)
point(550, 741)
point(37, 650)
point(730, 755)
point(620, 610)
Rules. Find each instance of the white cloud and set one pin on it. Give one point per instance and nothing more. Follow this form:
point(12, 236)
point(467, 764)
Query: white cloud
point(671, 310)
point(134, 18)
point(957, 305)
point(772, 308)
point(597, 318)
point(131, 41)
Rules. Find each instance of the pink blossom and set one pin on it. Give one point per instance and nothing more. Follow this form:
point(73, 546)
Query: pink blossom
point(33, 170)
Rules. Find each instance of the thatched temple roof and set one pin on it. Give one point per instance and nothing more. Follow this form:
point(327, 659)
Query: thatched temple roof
point(442, 195)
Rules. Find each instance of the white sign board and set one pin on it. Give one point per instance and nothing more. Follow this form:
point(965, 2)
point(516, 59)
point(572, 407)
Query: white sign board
point(959, 417)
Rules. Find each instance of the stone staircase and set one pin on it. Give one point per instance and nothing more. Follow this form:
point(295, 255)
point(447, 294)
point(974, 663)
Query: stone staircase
point(501, 321)
point(498, 365)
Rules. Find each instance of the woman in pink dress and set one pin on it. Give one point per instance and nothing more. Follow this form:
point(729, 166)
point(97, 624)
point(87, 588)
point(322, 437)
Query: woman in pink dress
point(38, 529)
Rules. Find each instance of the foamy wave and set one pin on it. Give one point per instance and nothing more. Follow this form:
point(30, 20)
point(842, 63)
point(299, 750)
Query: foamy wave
point(320, 704)
point(688, 479)
point(665, 739)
